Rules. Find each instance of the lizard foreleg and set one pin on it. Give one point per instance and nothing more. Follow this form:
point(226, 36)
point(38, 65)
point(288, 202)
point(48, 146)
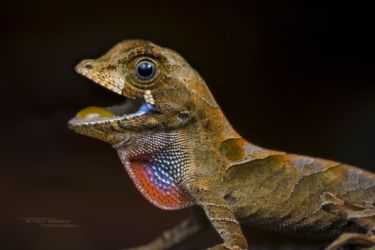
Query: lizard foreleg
point(223, 219)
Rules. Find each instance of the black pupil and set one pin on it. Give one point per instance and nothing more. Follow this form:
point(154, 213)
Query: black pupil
point(145, 70)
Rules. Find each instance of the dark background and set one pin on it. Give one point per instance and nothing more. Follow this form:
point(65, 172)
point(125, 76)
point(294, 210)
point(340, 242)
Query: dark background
point(292, 76)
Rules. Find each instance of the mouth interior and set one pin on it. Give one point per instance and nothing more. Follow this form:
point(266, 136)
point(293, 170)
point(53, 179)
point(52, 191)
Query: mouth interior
point(128, 108)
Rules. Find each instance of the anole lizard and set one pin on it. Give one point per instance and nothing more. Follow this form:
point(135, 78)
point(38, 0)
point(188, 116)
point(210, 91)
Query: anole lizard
point(181, 151)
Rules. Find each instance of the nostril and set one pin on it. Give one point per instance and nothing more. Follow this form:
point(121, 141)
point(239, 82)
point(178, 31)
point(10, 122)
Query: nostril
point(84, 66)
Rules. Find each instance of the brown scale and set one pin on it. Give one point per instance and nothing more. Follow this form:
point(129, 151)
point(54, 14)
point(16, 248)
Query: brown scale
point(231, 179)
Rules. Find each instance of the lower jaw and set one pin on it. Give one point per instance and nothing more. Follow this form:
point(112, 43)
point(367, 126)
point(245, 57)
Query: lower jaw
point(95, 114)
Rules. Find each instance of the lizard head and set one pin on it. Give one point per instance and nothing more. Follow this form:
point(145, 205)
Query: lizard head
point(167, 112)
point(162, 92)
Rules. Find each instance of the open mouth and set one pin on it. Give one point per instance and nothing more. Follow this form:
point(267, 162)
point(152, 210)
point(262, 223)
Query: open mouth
point(128, 109)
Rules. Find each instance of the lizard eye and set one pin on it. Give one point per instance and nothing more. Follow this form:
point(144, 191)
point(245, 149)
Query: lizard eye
point(145, 70)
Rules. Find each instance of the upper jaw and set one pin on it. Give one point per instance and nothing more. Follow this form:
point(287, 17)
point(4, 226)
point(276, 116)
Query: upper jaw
point(106, 78)
point(132, 107)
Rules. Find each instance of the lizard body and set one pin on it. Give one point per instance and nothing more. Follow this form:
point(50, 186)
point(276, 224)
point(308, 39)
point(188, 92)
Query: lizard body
point(180, 151)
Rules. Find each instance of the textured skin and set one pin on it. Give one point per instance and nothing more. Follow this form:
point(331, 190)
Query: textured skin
point(186, 153)
point(158, 173)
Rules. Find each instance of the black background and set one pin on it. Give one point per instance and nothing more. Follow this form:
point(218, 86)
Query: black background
point(294, 76)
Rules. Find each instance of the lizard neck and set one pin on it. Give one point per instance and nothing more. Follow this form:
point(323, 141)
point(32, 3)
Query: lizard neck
point(162, 164)
point(234, 149)
point(217, 146)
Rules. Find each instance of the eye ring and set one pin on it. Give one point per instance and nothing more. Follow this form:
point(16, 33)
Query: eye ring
point(145, 70)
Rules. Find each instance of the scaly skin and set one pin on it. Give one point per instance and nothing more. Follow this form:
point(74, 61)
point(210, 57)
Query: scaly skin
point(180, 151)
